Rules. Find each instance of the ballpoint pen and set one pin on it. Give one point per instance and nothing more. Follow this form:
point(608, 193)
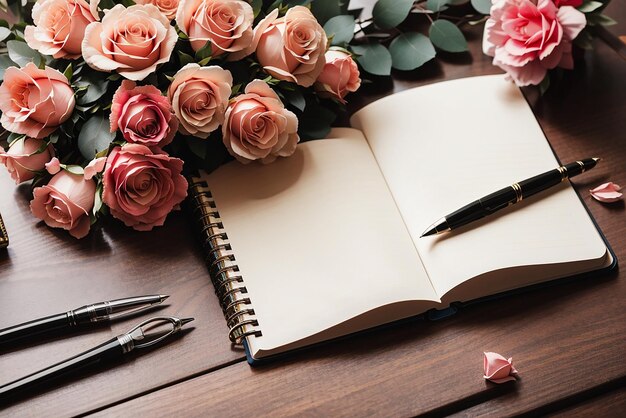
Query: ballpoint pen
point(146, 334)
point(89, 314)
point(509, 195)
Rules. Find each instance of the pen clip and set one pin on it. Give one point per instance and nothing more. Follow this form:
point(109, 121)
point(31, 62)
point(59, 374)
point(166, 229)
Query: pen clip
point(155, 330)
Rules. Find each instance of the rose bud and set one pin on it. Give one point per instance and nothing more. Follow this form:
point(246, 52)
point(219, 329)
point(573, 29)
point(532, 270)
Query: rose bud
point(142, 185)
point(167, 7)
point(227, 24)
point(258, 127)
point(60, 26)
point(35, 102)
point(143, 115)
point(199, 96)
point(132, 41)
point(65, 202)
point(497, 368)
point(292, 47)
point(23, 159)
point(339, 76)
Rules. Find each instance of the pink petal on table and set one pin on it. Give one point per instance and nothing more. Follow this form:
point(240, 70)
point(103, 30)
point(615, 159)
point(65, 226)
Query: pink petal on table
point(498, 369)
point(607, 192)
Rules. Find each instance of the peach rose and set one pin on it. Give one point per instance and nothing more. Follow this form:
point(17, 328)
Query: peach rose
point(292, 47)
point(339, 76)
point(131, 41)
point(143, 115)
point(60, 26)
point(258, 127)
point(199, 96)
point(35, 102)
point(65, 202)
point(167, 7)
point(526, 38)
point(226, 23)
point(142, 185)
point(25, 157)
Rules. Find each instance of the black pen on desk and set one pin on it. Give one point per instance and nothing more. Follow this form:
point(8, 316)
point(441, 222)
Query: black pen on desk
point(85, 315)
point(146, 334)
point(509, 195)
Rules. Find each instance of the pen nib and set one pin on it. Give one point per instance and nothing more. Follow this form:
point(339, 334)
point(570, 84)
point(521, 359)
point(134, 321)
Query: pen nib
point(186, 321)
point(163, 297)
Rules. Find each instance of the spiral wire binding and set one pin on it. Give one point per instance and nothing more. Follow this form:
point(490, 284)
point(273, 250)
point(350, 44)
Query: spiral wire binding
point(228, 283)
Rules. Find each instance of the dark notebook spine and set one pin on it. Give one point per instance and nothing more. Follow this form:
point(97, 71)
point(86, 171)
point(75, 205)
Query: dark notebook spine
point(227, 281)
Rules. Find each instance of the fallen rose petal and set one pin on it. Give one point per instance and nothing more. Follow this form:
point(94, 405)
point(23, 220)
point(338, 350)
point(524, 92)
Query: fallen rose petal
point(53, 166)
point(497, 368)
point(94, 167)
point(607, 192)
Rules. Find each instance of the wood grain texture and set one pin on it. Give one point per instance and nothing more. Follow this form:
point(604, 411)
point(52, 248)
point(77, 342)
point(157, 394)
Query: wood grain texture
point(559, 337)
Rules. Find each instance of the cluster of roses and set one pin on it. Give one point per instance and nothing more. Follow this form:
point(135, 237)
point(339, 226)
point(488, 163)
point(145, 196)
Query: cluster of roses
point(526, 38)
point(138, 181)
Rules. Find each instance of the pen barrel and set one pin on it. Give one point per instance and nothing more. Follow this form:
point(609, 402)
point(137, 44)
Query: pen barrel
point(481, 207)
point(35, 327)
point(542, 181)
point(107, 351)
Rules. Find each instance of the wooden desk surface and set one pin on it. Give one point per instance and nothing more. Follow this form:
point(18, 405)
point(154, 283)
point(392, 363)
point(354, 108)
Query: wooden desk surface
point(567, 341)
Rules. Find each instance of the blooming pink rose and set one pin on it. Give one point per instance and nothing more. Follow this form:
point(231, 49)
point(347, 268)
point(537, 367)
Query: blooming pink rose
point(497, 368)
point(94, 167)
point(143, 115)
point(60, 27)
point(35, 102)
point(65, 202)
point(142, 186)
point(167, 7)
point(529, 37)
point(573, 3)
point(292, 47)
point(339, 76)
point(53, 166)
point(199, 96)
point(226, 23)
point(258, 127)
point(131, 41)
point(22, 159)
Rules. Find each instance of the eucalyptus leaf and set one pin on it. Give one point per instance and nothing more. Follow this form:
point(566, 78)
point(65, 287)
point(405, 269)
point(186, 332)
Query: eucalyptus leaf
point(482, 6)
point(436, 5)
point(411, 50)
point(96, 86)
point(95, 136)
point(97, 203)
point(5, 62)
point(21, 54)
point(295, 98)
point(323, 10)
point(4, 33)
point(340, 28)
point(594, 19)
point(374, 58)
point(388, 14)
point(75, 169)
point(447, 36)
point(589, 6)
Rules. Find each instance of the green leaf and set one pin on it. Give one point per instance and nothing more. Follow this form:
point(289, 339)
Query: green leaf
point(5, 62)
point(184, 58)
point(69, 72)
point(589, 6)
point(22, 54)
point(95, 136)
point(436, 5)
point(374, 58)
point(411, 50)
point(4, 33)
point(594, 19)
point(96, 87)
point(205, 52)
point(97, 203)
point(256, 7)
point(390, 13)
point(197, 146)
point(323, 10)
point(74, 169)
point(340, 28)
point(482, 6)
point(295, 98)
point(447, 36)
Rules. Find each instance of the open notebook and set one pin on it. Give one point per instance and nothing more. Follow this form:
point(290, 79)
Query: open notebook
point(325, 243)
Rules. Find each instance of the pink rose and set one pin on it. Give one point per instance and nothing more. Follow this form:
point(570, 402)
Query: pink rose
point(142, 186)
point(65, 202)
point(226, 23)
point(35, 102)
point(339, 76)
point(94, 167)
point(23, 159)
point(258, 127)
point(199, 96)
point(529, 37)
point(497, 368)
point(131, 41)
point(292, 47)
point(573, 3)
point(60, 27)
point(143, 115)
point(167, 7)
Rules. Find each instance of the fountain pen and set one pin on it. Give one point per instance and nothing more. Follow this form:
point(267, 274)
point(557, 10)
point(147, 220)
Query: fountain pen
point(85, 315)
point(509, 195)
